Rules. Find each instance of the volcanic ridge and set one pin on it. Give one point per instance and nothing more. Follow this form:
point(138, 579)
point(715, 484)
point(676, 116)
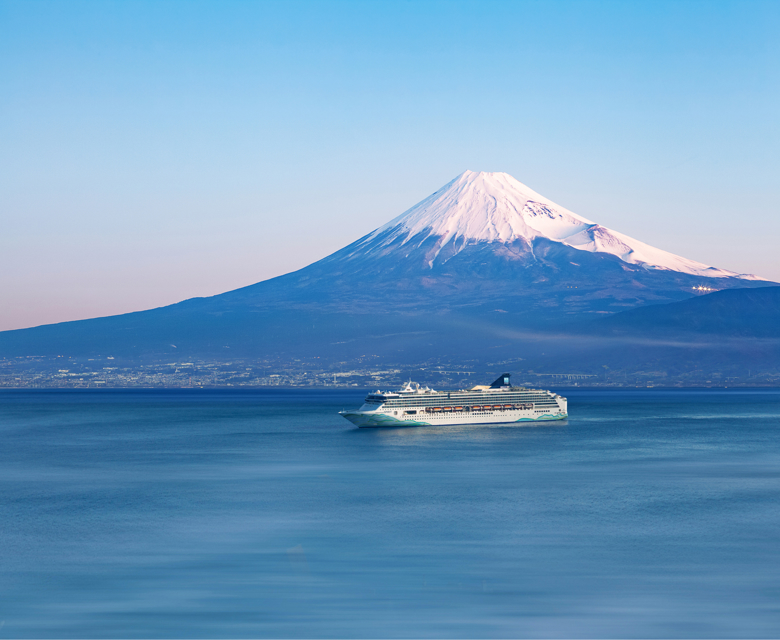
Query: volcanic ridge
point(479, 265)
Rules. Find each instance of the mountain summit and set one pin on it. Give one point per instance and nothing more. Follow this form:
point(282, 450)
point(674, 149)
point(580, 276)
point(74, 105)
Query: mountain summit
point(466, 273)
point(480, 207)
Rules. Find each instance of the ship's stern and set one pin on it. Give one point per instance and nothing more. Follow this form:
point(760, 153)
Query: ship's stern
point(563, 407)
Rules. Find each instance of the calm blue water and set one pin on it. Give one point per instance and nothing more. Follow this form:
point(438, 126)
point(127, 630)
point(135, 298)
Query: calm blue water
point(262, 513)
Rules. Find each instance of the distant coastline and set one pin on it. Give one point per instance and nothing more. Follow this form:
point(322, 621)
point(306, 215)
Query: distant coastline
point(102, 373)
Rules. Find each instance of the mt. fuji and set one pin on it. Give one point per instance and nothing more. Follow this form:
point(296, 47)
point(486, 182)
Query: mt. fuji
point(478, 264)
point(495, 208)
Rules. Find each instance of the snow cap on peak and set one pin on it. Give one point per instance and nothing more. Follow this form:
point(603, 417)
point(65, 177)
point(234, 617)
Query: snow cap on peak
point(482, 206)
point(488, 206)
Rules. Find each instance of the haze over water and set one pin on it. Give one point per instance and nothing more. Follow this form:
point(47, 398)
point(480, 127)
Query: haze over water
point(263, 513)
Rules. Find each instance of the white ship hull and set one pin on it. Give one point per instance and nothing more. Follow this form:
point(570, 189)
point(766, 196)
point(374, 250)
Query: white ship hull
point(500, 403)
point(366, 419)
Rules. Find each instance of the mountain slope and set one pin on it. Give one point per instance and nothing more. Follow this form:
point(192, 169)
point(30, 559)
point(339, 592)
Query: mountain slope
point(496, 208)
point(481, 262)
point(733, 313)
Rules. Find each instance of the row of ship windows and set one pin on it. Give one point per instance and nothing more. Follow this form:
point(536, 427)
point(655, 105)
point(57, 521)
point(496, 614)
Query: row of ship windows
point(465, 396)
point(434, 416)
point(415, 402)
point(470, 398)
point(428, 410)
point(393, 405)
point(479, 408)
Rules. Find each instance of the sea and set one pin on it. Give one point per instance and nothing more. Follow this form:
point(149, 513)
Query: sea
point(264, 514)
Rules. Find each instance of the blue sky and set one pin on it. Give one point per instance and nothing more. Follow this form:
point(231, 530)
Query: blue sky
point(156, 151)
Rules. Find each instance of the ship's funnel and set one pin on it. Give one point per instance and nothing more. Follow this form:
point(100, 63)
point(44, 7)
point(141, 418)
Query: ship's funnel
point(502, 381)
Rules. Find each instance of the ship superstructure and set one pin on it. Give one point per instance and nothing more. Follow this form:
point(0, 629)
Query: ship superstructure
point(495, 404)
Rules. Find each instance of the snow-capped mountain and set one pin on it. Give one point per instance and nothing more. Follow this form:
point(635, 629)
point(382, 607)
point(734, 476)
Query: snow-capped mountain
point(482, 207)
point(469, 272)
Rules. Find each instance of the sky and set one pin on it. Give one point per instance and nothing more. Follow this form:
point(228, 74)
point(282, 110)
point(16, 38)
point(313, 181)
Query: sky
point(152, 152)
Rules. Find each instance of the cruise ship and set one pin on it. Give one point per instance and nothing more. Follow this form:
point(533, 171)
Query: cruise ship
point(499, 403)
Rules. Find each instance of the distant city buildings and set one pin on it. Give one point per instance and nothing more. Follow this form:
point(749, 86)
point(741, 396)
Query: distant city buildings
point(40, 372)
